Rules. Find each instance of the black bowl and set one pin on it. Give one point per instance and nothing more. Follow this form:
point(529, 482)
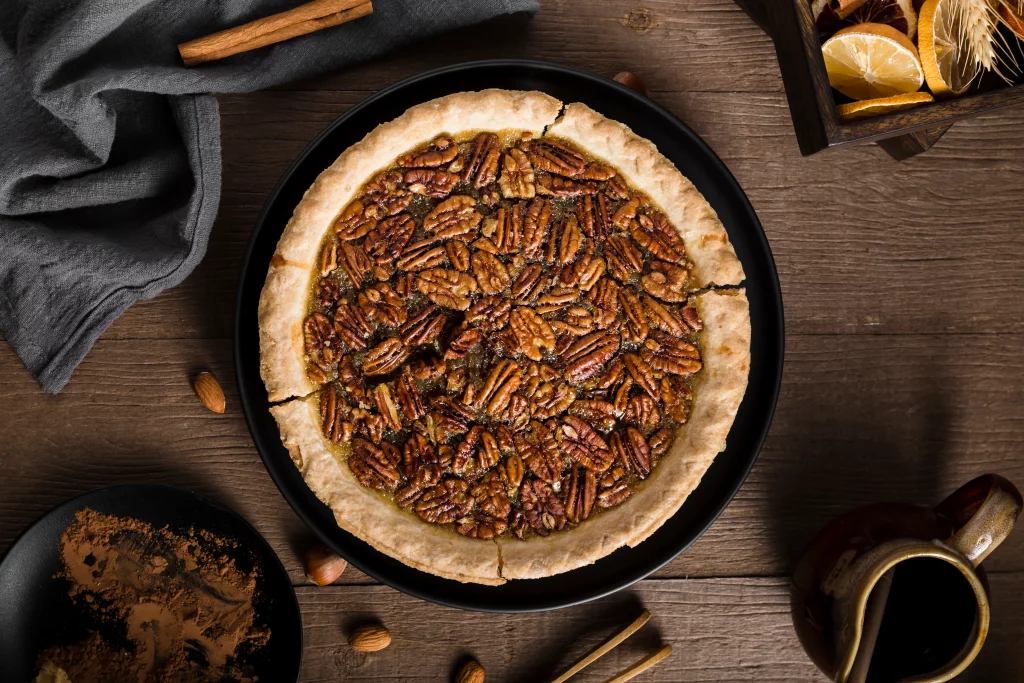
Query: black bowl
point(696, 160)
point(36, 612)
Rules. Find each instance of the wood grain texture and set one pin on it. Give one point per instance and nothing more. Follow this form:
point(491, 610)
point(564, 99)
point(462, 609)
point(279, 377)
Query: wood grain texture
point(720, 630)
point(904, 373)
point(860, 419)
point(946, 222)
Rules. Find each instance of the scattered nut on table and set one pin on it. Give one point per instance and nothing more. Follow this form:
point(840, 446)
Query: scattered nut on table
point(209, 392)
point(370, 638)
point(471, 672)
point(323, 565)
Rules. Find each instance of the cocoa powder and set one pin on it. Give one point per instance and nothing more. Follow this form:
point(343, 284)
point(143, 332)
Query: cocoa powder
point(173, 606)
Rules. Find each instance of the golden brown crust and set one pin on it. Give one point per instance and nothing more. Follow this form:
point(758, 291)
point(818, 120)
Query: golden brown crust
point(725, 342)
point(369, 515)
point(283, 300)
point(640, 162)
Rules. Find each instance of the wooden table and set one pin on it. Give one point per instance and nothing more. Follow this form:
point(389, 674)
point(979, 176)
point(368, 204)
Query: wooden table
point(904, 367)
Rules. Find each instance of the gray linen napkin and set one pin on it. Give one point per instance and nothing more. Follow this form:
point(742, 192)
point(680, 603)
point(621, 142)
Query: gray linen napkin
point(110, 148)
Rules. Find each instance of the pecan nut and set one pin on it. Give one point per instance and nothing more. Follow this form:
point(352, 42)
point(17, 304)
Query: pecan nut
point(624, 258)
point(385, 358)
point(536, 226)
point(592, 211)
point(543, 510)
point(321, 341)
point(424, 327)
point(632, 452)
point(382, 304)
point(334, 415)
point(538, 448)
point(665, 353)
point(431, 182)
point(445, 502)
point(422, 255)
point(447, 288)
point(654, 233)
point(483, 161)
point(375, 467)
point(557, 186)
point(454, 217)
point(491, 274)
point(409, 398)
point(533, 333)
point(502, 382)
point(556, 158)
point(489, 314)
point(458, 255)
point(642, 373)
point(581, 443)
point(438, 153)
point(517, 179)
point(386, 406)
point(461, 344)
point(587, 356)
point(385, 242)
point(356, 220)
point(551, 399)
point(580, 489)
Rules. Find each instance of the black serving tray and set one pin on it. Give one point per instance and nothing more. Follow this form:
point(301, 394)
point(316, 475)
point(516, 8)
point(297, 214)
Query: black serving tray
point(696, 160)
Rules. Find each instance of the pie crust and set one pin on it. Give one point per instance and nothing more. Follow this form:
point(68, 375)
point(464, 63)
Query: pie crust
point(718, 390)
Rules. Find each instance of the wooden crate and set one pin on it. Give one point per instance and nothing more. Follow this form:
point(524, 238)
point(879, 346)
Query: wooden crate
point(811, 102)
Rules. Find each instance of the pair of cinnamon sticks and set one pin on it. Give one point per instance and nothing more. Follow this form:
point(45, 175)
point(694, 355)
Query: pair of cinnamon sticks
point(613, 642)
point(312, 16)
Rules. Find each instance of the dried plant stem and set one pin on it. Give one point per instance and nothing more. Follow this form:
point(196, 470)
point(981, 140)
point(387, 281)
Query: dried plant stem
point(978, 21)
point(987, 47)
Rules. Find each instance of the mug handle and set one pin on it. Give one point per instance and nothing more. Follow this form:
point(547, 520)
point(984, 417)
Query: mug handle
point(983, 512)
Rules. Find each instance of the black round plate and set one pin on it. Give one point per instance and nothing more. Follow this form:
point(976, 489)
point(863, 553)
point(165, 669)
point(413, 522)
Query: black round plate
point(696, 160)
point(36, 612)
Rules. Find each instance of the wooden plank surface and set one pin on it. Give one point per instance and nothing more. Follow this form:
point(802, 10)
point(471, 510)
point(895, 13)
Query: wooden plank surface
point(720, 630)
point(904, 368)
point(860, 419)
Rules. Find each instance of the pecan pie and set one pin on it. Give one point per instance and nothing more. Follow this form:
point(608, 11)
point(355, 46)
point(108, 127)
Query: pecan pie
point(496, 338)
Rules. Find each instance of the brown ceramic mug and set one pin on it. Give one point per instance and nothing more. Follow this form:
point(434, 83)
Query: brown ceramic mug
point(893, 593)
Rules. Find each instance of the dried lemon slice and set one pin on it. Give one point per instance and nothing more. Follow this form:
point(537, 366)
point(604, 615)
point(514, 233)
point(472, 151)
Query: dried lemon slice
point(882, 105)
point(868, 61)
point(948, 67)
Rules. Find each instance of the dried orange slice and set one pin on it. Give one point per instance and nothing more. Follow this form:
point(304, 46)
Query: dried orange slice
point(900, 14)
point(1012, 18)
point(881, 105)
point(868, 61)
point(948, 67)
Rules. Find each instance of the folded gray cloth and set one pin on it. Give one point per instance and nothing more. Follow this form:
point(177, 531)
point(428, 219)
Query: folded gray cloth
point(110, 148)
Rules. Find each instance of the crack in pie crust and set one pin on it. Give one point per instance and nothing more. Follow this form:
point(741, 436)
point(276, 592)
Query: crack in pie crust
point(497, 329)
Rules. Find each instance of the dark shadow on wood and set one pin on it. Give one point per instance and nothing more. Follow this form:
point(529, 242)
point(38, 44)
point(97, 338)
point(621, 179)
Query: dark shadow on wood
point(757, 11)
point(905, 146)
point(92, 468)
point(813, 487)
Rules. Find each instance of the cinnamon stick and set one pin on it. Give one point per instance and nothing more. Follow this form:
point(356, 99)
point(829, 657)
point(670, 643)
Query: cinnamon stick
point(312, 16)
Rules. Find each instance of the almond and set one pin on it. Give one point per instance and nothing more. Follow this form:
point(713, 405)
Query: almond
point(209, 392)
point(370, 638)
point(323, 566)
point(471, 672)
